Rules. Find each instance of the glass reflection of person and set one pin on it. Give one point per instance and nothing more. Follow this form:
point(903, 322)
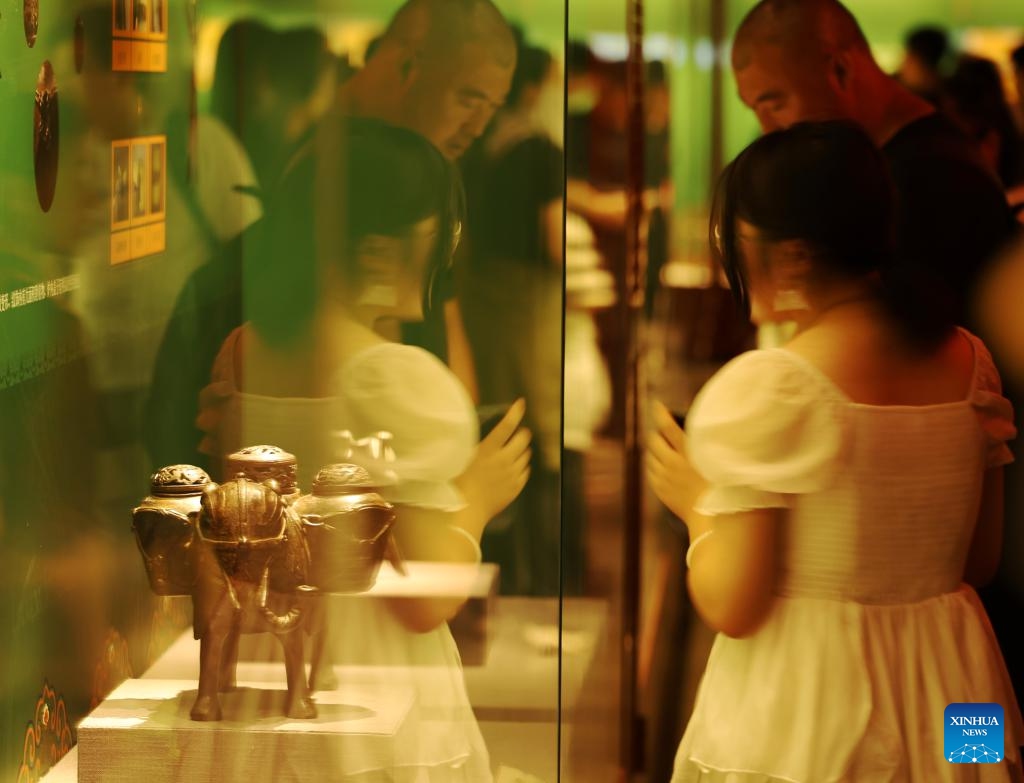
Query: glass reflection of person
point(926, 57)
point(269, 88)
point(442, 68)
point(310, 362)
point(468, 54)
point(513, 301)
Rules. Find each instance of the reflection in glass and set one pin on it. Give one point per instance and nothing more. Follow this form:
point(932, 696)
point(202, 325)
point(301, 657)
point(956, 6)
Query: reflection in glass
point(511, 297)
point(46, 136)
point(301, 251)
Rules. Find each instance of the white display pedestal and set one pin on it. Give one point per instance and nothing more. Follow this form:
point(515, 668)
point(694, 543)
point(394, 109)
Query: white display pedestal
point(142, 732)
point(514, 695)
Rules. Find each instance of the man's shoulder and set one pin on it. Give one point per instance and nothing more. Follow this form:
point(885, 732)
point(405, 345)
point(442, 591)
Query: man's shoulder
point(932, 137)
point(931, 156)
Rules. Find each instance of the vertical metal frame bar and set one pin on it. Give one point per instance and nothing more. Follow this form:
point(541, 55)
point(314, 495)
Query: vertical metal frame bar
point(632, 322)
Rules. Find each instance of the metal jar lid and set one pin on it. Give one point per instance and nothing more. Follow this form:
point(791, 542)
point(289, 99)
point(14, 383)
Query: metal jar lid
point(343, 479)
point(260, 463)
point(179, 481)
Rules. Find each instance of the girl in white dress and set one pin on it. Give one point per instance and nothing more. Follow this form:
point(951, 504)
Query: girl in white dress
point(843, 493)
point(355, 234)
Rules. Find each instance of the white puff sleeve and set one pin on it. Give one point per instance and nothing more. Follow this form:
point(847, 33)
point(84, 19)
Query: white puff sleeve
point(410, 394)
point(763, 429)
point(995, 412)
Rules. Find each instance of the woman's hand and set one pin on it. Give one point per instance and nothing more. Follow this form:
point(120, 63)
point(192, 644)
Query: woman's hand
point(669, 472)
point(499, 469)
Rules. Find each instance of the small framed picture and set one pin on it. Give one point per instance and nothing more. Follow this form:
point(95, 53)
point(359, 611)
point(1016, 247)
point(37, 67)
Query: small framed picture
point(139, 181)
point(157, 178)
point(158, 19)
point(120, 186)
point(122, 16)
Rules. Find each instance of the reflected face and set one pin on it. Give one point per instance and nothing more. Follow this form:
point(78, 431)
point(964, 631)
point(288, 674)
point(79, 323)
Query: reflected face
point(782, 92)
point(450, 100)
point(756, 256)
point(754, 260)
point(418, 246)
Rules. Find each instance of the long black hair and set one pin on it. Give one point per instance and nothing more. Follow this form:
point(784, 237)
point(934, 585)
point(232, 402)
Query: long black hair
point(375, 179)
point(826, 184)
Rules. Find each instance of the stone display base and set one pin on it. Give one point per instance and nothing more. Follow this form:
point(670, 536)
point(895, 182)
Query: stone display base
point(142, 732)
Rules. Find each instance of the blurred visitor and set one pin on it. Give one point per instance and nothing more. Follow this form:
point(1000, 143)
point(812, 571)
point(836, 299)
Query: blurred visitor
point(269, 88)
point(418, 78)
point(442, 68)
point(597, 168)
point(511, 294)
point(974, 97)
point(926, 61)
point(259, 113)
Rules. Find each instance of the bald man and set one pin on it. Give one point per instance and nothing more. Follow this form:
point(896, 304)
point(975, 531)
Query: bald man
point(798, 60)
point(442, 69)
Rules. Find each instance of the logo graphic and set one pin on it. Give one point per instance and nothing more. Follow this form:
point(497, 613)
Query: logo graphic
point(973, 733)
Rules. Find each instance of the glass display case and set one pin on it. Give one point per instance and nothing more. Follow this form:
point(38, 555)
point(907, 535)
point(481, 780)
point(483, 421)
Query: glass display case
point(327, 329)
point(232, 225)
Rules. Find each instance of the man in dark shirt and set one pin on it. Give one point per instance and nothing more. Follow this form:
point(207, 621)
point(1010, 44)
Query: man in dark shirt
point(798, 60)
point(442, 69)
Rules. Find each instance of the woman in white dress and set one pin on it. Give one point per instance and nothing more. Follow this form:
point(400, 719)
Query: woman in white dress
point(365, 218)
point(843, 493)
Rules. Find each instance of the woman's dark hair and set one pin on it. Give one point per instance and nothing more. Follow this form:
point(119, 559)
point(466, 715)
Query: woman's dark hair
point(384, 180)
point(826, 184)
